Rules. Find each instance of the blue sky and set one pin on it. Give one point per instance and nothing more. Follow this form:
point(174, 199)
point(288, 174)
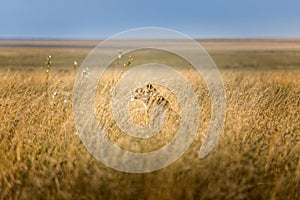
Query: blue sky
point(101, 19)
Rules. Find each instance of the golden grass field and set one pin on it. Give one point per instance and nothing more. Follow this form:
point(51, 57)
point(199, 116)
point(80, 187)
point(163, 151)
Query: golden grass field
point(257, 156)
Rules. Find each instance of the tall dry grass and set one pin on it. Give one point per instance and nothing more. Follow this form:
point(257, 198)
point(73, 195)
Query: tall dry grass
point(257, 156)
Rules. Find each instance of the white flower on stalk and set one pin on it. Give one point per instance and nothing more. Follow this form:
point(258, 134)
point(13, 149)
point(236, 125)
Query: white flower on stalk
point(86, 73)
point(120, 55)
point(75, 64)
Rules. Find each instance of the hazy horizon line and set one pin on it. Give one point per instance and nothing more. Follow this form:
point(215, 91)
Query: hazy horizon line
point(104, 38)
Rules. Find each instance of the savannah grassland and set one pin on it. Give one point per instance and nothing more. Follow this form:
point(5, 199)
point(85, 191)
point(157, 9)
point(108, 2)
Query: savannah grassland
point(257, 156)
